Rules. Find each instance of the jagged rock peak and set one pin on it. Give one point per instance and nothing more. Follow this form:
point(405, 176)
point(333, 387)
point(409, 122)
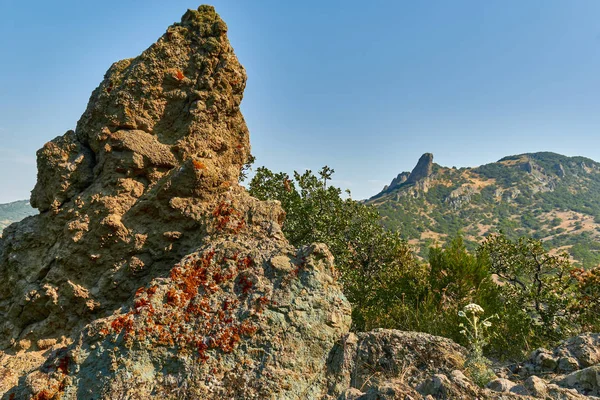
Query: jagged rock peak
point(397, 181)
point(161, 137)
point(423, 168)
point(176, 102)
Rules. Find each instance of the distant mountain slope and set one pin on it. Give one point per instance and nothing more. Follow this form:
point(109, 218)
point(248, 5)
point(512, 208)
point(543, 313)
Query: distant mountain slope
point(15, 211)
point(544, 195)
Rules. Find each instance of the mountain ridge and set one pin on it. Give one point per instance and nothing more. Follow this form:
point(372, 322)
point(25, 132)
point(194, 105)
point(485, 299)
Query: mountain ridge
point(545, 195)
point(14, 211)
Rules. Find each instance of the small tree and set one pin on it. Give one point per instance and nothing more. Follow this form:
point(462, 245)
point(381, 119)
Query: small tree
point(535, 281)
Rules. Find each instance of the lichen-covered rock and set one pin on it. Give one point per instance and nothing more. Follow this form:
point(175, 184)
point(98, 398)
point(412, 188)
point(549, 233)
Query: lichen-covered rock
point(150, 273)
point(162, 135)
point(245, 316)
point(569, 371)
point(586, 381)
point(536, 386)
point(65, 168)
point(363, 360)
point(584, 348)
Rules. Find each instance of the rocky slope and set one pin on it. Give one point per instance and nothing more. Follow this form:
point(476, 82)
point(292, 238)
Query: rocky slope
point(14, 212)
point(150, 273)
point(544, 195)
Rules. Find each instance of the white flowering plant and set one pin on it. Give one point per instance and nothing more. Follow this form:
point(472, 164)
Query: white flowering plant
point(475, 329)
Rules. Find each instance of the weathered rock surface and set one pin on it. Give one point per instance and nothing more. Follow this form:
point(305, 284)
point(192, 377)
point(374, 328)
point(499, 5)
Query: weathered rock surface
point(150, 272)
point(245, 316)
point(397, 181)
point(366, 361)
point(570, 371)
point(161, 136)
point(389, 364)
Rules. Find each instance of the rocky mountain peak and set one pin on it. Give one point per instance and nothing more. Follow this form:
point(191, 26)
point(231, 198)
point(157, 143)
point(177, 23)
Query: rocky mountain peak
point(422, 170)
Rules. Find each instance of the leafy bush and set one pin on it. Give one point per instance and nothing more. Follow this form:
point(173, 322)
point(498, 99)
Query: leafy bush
point(586, 303)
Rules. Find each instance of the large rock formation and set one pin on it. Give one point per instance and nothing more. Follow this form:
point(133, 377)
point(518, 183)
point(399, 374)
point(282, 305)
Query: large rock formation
point(422, 170)
point(149, 271)
point(128, 193)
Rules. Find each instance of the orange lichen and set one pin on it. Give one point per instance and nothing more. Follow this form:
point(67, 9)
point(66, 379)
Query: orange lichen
point(245, 263)
point(245, 284)
point(179, 75)
point(227, 217)
point(44, 395)
point(198, 165)
point(189, 316)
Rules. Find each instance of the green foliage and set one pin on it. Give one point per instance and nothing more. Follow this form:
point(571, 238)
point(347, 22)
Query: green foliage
point(586, 303)
point(535, 286)
point(377, 267)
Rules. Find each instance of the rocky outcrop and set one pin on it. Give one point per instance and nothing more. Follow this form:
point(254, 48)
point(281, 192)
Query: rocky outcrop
point(127, 194)
point(417, 179)
point(461, 196)
point(244, 316)
point(389, 364)
point(150, 272)
point(397, 181)
point(422, 170)
point(574, 364)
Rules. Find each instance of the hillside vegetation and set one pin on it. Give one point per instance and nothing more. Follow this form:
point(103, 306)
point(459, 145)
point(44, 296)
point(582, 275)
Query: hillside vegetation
point(13, 212)
point(536, 298)
point(546, 196)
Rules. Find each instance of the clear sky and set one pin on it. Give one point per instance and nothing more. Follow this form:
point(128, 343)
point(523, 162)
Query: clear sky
point(364, 87)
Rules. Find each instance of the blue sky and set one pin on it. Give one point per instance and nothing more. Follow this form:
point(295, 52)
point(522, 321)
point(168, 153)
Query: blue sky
point(364, 87)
